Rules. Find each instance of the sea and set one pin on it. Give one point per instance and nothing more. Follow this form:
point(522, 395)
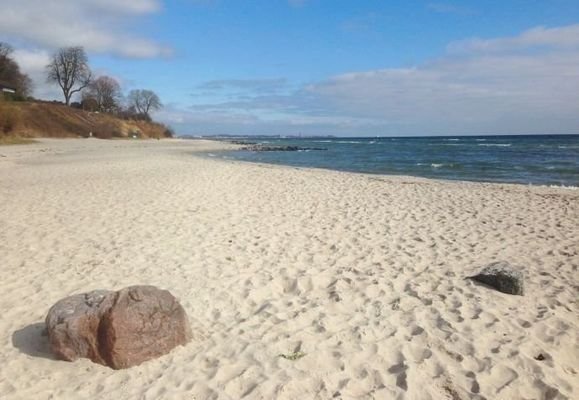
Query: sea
point(531, 159)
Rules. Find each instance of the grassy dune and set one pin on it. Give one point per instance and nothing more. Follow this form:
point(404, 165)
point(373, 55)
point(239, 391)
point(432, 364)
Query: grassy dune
point(37, 119)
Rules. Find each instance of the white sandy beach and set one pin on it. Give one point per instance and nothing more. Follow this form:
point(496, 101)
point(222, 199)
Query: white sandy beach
point(363, 274)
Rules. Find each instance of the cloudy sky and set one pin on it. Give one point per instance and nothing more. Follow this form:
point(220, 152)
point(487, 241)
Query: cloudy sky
point(342, 67)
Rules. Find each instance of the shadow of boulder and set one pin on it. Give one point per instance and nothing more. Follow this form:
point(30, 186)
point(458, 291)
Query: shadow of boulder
point(33, 340)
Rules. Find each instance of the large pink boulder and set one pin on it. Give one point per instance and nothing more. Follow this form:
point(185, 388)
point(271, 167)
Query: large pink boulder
point(118, 329)
point(73, 323)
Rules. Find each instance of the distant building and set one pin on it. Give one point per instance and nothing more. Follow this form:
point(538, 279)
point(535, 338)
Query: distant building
point(4, 88)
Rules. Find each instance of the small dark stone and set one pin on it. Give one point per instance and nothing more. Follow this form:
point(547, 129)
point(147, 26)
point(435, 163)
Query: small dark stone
point(540, 357)
point(242, 142)
point(503, 277)
point(261, 147)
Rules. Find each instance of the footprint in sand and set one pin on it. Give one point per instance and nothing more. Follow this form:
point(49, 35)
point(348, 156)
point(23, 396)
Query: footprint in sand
point(401, 378)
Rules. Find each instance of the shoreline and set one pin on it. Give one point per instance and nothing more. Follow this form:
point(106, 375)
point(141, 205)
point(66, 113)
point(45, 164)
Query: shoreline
point(362, 274)
point(568, 187)
point(370, 175)
point(224, 146)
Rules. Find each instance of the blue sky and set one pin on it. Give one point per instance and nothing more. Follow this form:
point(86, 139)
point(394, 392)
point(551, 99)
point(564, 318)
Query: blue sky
point(324, 66)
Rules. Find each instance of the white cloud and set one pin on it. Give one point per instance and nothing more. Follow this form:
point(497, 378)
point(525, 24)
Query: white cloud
point(257, 85)
point(503, 85)
point(33, 63)
point(488, 94)
point(514, 85)
point(128, 7)
point(95, 24)
point(559, 38)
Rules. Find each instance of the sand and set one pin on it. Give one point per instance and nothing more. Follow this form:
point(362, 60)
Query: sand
point(363, 276)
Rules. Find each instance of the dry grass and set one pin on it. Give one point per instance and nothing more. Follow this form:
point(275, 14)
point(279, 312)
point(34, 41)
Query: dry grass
point(10, 140)
point(32, 119)
point(10, 118)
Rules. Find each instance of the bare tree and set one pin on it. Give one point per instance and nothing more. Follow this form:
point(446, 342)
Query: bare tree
point(106, 93)
point(69, 68)
point(144, 101)
point(5, 49)
point(10, 72)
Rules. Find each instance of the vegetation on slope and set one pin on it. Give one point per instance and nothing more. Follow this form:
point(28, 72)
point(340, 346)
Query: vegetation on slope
point(43, 119)
point(102, 111)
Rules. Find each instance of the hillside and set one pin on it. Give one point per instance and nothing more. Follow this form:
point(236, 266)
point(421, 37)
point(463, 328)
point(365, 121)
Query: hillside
point(41, 119)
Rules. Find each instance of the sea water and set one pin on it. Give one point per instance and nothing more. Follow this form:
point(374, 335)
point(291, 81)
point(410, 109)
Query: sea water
point(531, 159)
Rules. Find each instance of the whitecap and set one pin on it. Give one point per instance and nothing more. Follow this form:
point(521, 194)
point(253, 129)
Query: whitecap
point(495, 144)
point(436, 165)
point(565, 187)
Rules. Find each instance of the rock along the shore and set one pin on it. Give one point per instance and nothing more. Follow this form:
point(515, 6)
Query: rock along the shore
point(117, 329)
point(503, 277)
point(260, 147)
